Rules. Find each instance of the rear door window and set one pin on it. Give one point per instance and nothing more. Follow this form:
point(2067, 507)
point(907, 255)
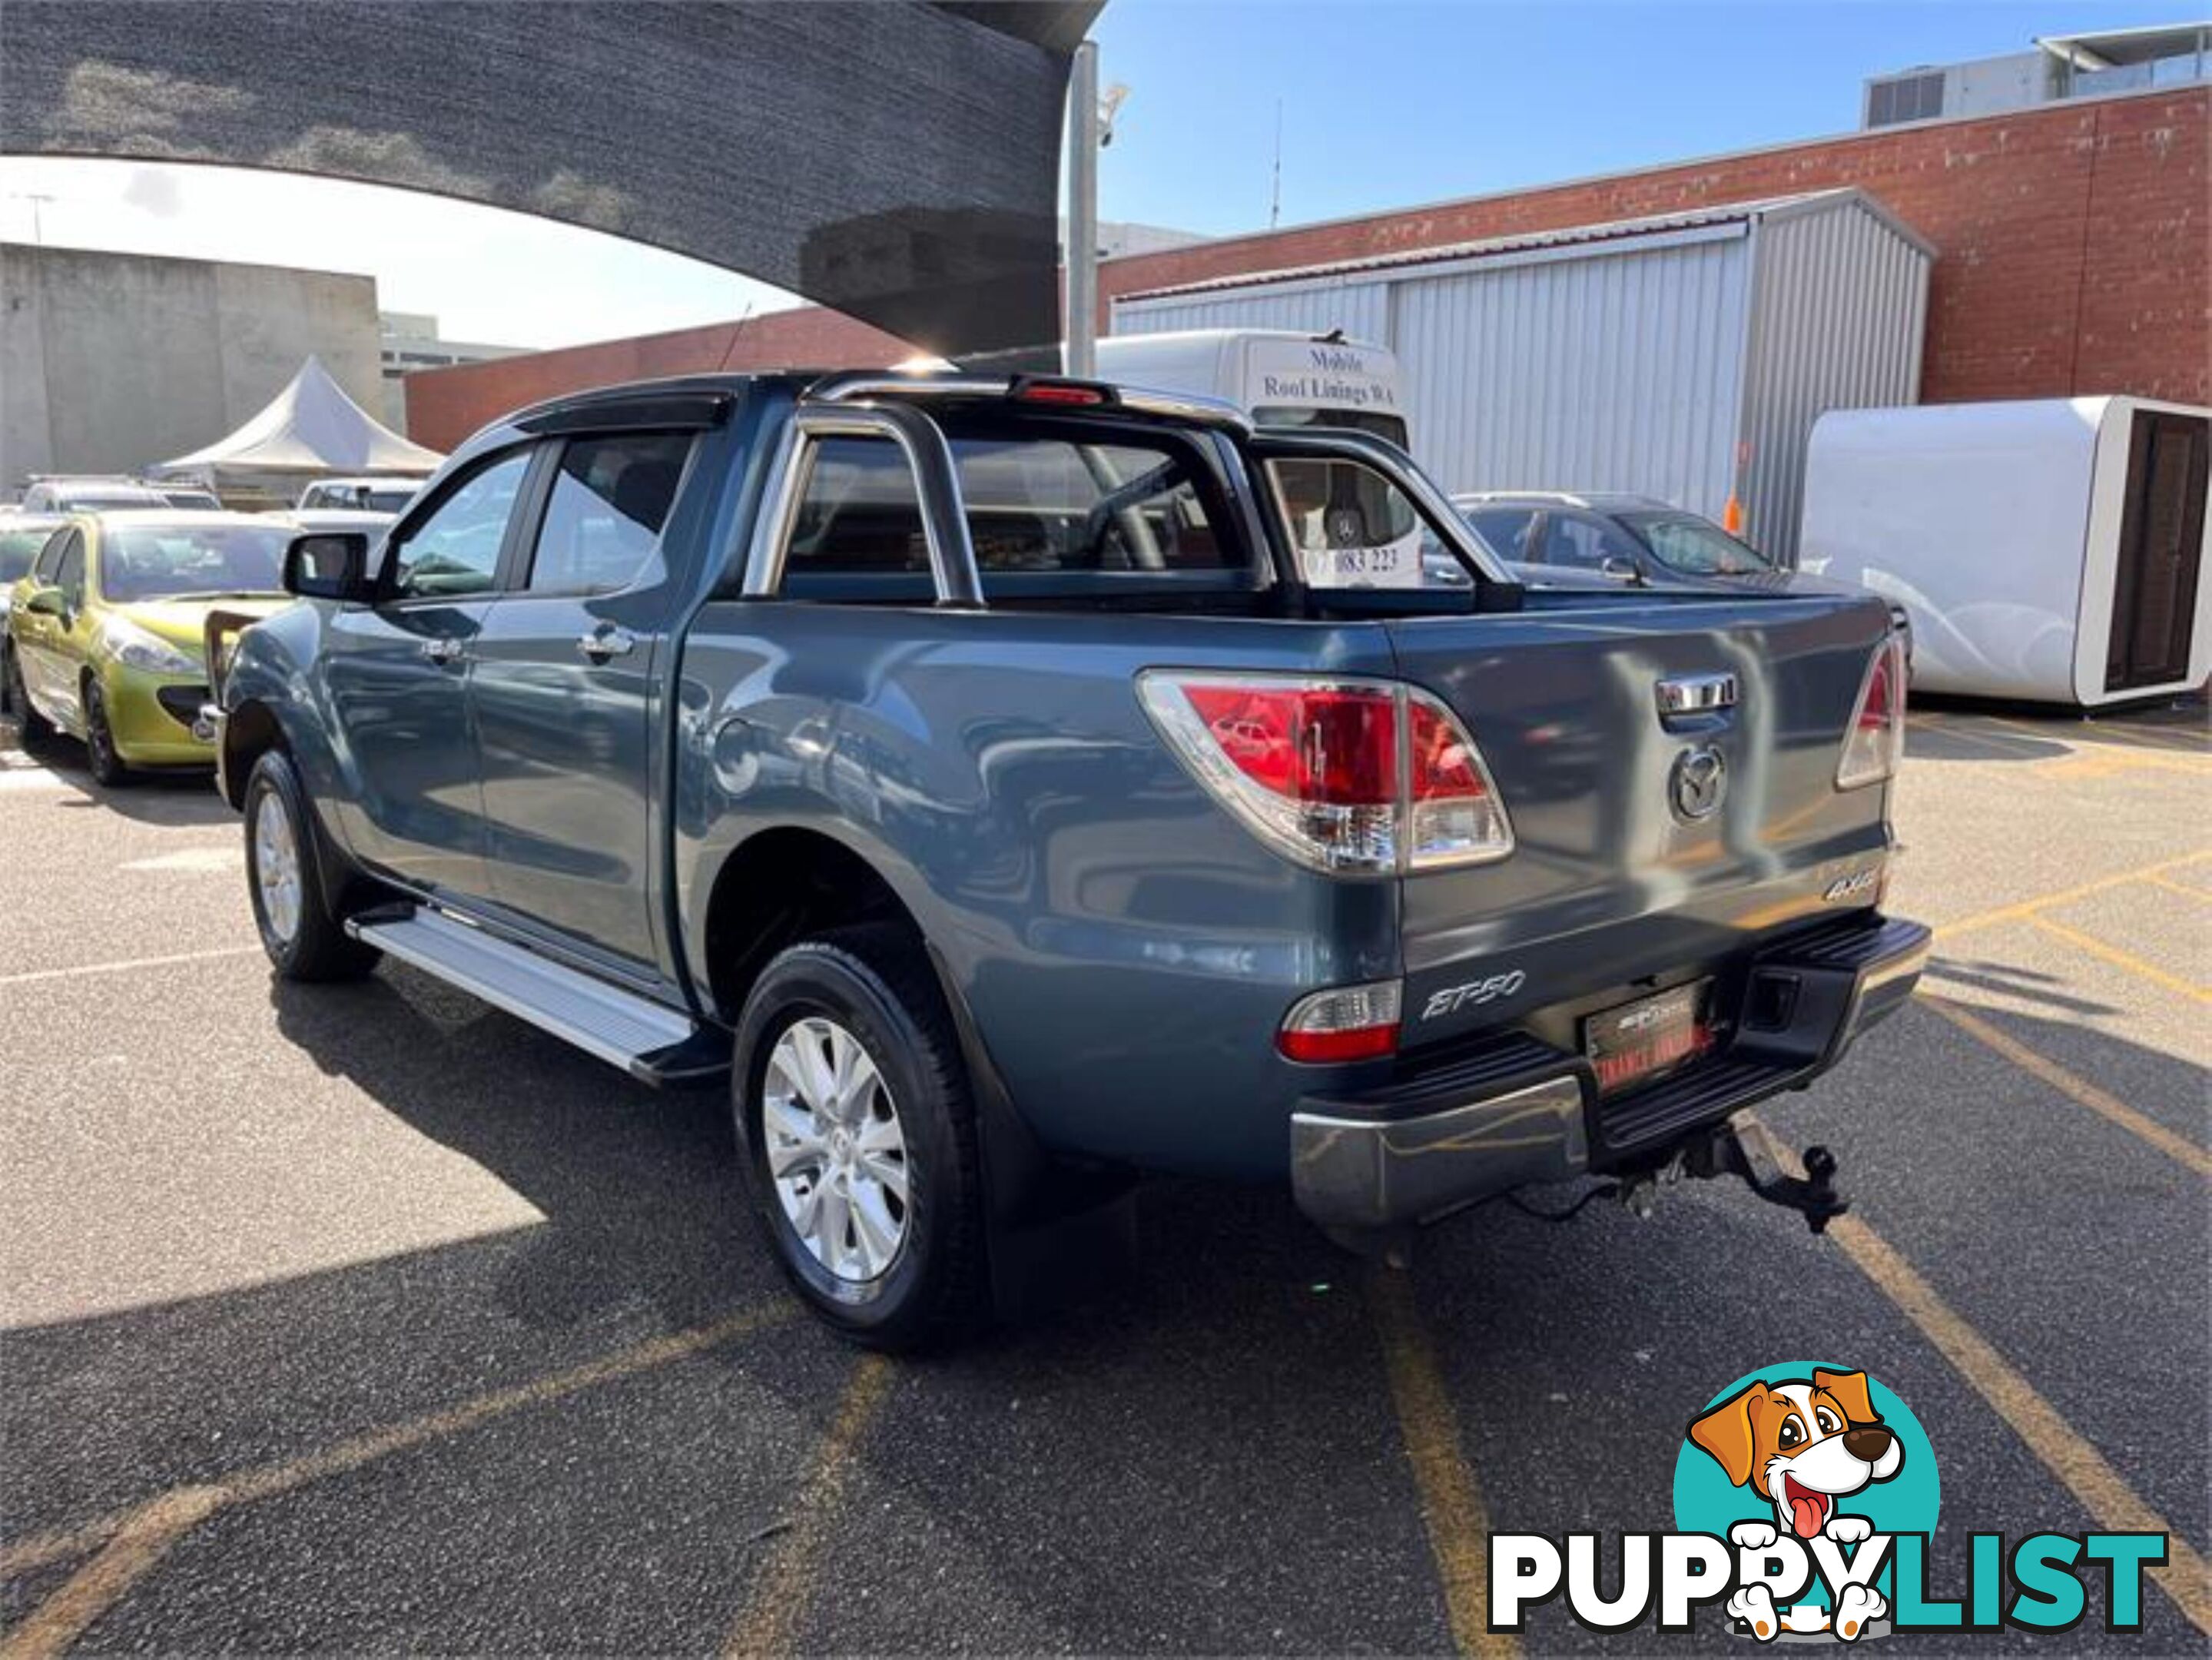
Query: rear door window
point(1585, 542)
point(1509, 530)
point(610, 498)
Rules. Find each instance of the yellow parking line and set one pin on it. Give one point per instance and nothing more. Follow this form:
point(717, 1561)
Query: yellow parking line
point(2173, 886)
point(2078, 1090)
point(2123, 959)
point(269, 1480)
point(2176, 737)
point(125, 964)
point(1451, 1501)
point(142, 1539)
point(2111, 1502)
point(2025, 909)
point(785, 1582)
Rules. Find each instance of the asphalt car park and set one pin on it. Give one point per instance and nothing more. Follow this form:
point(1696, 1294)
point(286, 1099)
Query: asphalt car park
point(367, 1318)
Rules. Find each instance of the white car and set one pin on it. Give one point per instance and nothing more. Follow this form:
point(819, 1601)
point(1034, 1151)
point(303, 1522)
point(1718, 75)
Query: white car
point(384, 496)
point(89, 496)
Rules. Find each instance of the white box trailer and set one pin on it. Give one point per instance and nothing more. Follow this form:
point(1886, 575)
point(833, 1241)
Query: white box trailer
point(2052, 551)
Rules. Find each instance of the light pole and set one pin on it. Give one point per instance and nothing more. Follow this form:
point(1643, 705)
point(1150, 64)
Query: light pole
point(1082, 349)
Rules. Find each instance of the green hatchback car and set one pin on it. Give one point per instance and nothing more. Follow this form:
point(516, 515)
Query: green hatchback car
point(104, 637)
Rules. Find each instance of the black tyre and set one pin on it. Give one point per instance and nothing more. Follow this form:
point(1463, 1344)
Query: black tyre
point(34, 727)
point(283, 875)
point(109, 770)
point(856, 1135)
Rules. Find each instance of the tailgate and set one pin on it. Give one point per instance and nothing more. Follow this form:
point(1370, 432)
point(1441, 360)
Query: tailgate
point(1648, 843)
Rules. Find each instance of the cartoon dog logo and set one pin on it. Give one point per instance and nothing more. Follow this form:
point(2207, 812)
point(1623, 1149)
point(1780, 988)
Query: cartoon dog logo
point(1803, 1444)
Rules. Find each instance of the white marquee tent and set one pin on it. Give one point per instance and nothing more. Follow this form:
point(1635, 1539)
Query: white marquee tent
point(310, 427)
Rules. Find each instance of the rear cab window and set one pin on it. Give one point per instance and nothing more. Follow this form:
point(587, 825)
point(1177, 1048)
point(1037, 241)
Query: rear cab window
point(1053, 508)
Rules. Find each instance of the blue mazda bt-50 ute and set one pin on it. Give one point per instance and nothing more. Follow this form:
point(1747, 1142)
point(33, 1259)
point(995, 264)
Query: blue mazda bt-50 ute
point(1002, 785)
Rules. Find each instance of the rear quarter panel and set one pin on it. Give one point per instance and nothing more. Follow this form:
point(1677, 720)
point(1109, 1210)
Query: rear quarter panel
point(1126, 951)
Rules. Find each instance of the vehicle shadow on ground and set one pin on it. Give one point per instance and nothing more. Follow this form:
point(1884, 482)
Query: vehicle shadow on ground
point(2009, 980)
point(187, 798)
point(1202, 1456)
point(1934, 738)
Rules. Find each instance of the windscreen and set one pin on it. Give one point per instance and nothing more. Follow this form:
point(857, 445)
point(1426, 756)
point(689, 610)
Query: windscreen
point(389, 500)
point(1391, 427)
point(91, 502)
point(18, 548)
point(180, 562)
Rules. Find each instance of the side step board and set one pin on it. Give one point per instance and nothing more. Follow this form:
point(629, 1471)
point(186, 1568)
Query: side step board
point(649, 1041)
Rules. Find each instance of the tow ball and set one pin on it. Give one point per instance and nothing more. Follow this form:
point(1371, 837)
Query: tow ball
point(1744, 1146)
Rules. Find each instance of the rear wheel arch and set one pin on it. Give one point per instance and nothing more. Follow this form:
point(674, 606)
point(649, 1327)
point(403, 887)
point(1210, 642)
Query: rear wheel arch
point(781, 886)
point(790, 884)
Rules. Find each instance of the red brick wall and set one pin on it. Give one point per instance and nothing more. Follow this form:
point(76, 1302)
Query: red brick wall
point(2074, 255)
point(444, 406)
point(2072, 241)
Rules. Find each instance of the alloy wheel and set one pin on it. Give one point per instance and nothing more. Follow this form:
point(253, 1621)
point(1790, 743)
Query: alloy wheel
point(276, 866)
point(836, 1150)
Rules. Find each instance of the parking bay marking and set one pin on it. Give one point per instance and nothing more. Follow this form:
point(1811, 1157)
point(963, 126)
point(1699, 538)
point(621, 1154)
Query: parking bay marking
point(2123, 959)
point(142, 1539)
point(125, 964)
point(786, 1581)
point(2173, 886)
point(2111, 1502)
point(2025, 909)
point(132, 1540)
point(2078, 1090)
point(1451, 1501)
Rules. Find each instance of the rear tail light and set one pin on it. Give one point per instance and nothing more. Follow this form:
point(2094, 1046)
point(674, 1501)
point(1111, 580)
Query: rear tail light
point(1366, 777)
point(1346, 1023)
point(1876, 742)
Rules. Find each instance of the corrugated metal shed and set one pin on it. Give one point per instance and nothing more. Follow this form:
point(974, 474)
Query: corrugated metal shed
point(1684, 357)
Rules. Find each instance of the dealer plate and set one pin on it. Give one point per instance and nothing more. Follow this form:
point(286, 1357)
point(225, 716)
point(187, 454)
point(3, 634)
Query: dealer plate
point(1633, 1042)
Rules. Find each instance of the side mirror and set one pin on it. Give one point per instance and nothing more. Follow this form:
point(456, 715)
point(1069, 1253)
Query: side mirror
point(328, 565)
point(1619, 569)
point(46, 602)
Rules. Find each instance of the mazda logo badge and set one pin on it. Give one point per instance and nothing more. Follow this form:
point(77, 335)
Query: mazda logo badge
point(1698, 783)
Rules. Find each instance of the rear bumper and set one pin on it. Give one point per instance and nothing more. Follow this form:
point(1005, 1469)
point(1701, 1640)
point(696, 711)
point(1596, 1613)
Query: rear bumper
point(1518, 1110)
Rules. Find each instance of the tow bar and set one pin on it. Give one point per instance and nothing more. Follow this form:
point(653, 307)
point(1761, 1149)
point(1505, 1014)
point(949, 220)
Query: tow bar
point(1744, 1146)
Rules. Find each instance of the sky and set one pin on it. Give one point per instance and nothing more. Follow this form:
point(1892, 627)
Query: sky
point(1383, 104)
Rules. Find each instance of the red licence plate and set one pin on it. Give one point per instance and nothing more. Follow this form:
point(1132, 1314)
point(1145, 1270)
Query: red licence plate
point(1634, 1041)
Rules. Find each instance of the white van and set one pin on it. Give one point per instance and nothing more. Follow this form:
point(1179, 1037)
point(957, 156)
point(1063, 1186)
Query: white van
point(1352, 532)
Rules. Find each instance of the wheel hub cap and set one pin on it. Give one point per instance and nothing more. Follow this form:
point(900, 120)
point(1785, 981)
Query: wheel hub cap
point(837, 1151)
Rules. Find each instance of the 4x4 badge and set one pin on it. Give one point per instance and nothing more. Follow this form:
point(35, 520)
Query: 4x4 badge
point(1698, 783)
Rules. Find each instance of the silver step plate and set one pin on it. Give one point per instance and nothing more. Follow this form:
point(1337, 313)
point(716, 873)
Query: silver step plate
point(615, 1025)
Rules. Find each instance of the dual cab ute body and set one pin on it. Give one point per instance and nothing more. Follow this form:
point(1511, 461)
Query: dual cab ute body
point(963, 763)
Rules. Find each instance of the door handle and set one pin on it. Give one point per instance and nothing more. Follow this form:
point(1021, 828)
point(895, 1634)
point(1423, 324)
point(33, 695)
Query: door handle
point(441, 651)
point(605, 642)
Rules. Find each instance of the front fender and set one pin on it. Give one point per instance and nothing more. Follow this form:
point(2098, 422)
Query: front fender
point(266, 693)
